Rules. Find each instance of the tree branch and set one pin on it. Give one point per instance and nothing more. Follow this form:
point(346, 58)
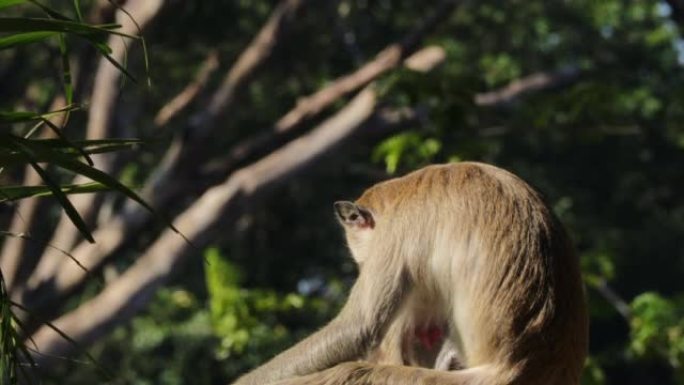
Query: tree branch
point(613, 298)
point(189, 93)
point(245, 66)
point(121, 299)
point(535, 82)
point(202, 123)
point(120, 228)
point(388, 58)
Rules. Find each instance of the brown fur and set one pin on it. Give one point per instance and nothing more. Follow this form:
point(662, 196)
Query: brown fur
point(467, 244)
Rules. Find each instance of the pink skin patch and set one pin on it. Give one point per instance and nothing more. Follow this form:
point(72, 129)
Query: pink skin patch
point(429, 336)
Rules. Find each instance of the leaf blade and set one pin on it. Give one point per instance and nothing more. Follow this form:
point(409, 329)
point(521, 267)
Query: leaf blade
point(18, 39)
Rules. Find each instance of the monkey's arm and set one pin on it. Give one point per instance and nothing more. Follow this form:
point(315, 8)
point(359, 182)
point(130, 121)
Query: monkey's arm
point(372, 303)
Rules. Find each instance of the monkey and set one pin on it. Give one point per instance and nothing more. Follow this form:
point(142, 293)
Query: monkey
point(467, 245)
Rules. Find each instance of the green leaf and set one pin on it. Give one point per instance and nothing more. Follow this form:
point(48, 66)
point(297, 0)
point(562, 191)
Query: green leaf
point(46, 245)
point(13, 193)
point(17, 116)
point(12, 41)
point(9, 156)
point(89, 32)
point(9, 159)
point(66, 142)
point(23, 146)
point(66, 73)
point(75, 344)
point(27, 24)
point(77, 8)
point(69, 163)
point(10, 3)
point(49, 11)
point(146, 56)
point(96, 146)
point(115, 63)
point(27, 116)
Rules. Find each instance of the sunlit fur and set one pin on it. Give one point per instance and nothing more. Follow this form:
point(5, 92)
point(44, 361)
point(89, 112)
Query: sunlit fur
point(466, 244)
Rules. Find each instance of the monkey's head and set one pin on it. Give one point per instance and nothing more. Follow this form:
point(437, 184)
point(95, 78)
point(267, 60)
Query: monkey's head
point(358, 223)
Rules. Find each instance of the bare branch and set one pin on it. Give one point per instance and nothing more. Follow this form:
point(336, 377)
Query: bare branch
point(535, 82)
point(387, 59)
point(426, 59)
point(613, 298)
point(246, 65)
point(202, 123)
point(120, 300)
point(189, 93)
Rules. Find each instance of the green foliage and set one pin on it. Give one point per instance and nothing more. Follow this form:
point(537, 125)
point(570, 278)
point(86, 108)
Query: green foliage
point(243, 318)
point(657, 329)
point(172, 342)
point(209, 336)
point(597, 267)
point(409, 147)
point(593, 374)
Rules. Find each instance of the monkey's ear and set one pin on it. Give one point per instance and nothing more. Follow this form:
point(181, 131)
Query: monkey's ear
point(351, 214)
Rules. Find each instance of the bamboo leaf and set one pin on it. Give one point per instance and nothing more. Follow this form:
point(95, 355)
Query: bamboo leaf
point(73, 342)
point(49, 11)
point(13, 193)
point(67, 142)
point(117, 64)
point(46, 245)
point(77, 8)
point(27, 116)
point(69, 209)
point(69, 163)
point(10, 156)
point(17, 116)
point(66, 73)
point(10, 3)
point(18, 39)
point(95, 146)
point(28, 24)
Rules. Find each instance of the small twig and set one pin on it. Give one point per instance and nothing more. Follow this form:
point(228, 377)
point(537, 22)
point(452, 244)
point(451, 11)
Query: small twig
point(613, 298)
point(534, 82)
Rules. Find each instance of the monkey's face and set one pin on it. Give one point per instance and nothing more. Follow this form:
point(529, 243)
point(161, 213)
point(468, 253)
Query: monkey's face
point(358, 223)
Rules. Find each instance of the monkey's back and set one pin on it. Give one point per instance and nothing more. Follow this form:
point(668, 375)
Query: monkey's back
point(511, 276)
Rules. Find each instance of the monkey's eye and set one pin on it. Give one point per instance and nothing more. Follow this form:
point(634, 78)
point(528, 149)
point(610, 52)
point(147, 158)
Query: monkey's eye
point(353, 217)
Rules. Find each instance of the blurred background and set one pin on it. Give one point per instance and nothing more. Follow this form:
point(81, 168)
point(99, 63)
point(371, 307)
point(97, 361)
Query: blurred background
point(260, 113)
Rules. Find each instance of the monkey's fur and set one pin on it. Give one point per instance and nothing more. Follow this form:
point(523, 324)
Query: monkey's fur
point(469, 245)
